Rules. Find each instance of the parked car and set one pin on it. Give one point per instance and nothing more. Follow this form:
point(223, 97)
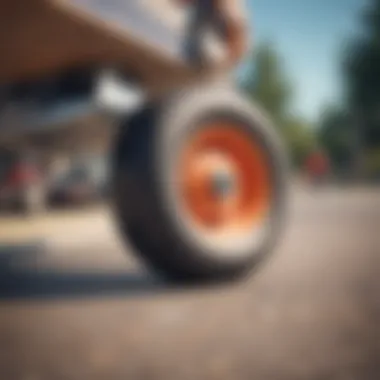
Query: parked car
point(21, 182)
point(79, 185)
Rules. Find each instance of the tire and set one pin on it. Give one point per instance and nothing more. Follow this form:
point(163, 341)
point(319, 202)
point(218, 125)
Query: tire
point(149, 208)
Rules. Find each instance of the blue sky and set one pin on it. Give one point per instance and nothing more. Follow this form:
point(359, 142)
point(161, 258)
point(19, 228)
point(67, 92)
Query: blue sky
point(310, 35)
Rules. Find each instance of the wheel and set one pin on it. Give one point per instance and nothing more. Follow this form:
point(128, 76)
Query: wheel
point(199, 185)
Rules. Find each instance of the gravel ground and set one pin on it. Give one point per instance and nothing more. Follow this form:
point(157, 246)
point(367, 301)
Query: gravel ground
point(75, 305)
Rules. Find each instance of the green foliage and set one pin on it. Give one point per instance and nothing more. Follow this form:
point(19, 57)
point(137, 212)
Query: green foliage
point(300, 138)
point(372, 164)
point(335, 134)
point(352, 132)
point(266, 83)
point(361, 66)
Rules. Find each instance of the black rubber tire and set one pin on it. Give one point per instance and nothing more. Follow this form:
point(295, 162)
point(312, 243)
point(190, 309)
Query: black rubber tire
point(145, 151)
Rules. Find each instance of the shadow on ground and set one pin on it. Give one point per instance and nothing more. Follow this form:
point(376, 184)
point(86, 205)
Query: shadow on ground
point(21, 276)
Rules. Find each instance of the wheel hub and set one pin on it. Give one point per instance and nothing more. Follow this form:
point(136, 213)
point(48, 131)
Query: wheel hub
point(223, 184)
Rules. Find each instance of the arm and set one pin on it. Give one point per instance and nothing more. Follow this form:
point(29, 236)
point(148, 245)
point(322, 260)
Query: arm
point(226, 18)
point(233, 29)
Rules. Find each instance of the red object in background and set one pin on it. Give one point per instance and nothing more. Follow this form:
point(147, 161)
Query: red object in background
point(23, 174)
point(317, 164)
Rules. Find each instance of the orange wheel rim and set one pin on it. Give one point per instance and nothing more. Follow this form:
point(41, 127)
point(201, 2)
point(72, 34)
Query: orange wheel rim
point(225, 179)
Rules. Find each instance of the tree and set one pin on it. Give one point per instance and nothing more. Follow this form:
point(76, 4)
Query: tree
point(300, 139)
point(265, 82)
point(351, 133)
point(335, 134)
point(361, 65)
